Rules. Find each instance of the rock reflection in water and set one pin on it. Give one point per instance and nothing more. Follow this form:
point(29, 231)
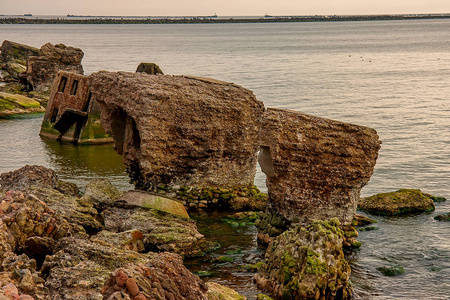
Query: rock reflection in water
point(82, 163)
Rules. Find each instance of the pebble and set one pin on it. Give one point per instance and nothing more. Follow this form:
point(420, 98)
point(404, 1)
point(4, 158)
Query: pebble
point(132, 287)
point(121, 278)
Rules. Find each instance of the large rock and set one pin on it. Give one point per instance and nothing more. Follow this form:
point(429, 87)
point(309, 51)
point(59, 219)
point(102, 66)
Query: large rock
point(161, 231)
point(307, 263)
point(14, 56)
point(27, 177)
point(14, 104)
point(42, 69)
point(163, 277)
point(178, 131)
point(395, 203)
point(315, 167)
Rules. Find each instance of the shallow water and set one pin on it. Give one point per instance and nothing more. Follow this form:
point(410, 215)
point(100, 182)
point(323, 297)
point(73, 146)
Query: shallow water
point(389, 75)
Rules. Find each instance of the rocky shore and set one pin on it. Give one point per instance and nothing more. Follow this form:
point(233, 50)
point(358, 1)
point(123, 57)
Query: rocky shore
point(58, 244)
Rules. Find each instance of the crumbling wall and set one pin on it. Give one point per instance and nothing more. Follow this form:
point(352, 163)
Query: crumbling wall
point(315, 167)
point(178, 131)
point(42, 69)
point(72, 114)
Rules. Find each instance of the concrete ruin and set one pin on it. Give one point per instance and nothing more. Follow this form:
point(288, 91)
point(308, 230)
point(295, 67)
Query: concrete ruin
point(72, 114)
point(37, 68)
point(177, 131)
point(197, 139)
point(315, 167)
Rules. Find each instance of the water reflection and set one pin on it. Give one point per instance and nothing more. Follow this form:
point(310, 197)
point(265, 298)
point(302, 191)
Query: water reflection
point(82, 163)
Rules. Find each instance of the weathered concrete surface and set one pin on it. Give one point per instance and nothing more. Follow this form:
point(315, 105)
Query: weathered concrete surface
point(179, 131)
point(42, 69)
point(315, 167)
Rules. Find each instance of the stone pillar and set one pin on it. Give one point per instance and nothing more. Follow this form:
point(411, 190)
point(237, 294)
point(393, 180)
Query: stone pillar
point(315, 167)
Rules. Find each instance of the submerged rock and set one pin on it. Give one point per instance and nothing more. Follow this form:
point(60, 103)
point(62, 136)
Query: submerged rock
point(391, 271)
point(307, 263)
point(443, 217)
point(149, 68)
point(395, 203)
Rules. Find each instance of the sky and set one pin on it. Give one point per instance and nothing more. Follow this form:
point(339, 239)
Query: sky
point(222, 8)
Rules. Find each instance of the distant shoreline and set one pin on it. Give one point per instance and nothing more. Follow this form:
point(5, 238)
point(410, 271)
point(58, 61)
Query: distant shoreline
point(211, 20)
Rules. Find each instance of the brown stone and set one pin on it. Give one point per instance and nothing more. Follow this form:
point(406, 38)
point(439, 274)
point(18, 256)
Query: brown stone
point(149, 68)
point(315, 167)
point(132, 287)
point(180, 131)
point(121, 278)
point(42, 69)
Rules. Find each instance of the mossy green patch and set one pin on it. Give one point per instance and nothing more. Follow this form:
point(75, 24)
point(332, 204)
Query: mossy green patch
point(395, 203)
point(391, 271)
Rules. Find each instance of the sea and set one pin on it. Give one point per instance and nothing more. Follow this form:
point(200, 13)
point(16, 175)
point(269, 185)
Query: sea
point(393, 76)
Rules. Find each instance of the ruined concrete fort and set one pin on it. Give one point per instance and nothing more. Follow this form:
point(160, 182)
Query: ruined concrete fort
point(197, 139)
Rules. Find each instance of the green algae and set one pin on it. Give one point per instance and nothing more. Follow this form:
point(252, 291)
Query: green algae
point(391, 270)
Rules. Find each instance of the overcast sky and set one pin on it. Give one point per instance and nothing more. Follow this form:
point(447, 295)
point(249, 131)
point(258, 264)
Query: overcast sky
point(222, 8)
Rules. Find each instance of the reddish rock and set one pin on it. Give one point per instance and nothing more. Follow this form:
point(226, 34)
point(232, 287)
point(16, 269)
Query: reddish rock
point(121, 278)
point(132, 287)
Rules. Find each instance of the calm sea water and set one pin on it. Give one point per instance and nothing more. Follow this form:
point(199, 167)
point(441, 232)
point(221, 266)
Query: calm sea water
point(392, 76)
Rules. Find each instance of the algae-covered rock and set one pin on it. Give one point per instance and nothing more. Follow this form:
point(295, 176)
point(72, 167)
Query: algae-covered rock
point(263, 297)
point(307, 263)
point(101, 193)
point(149, 68)
point(14, 104)
point(395, 203)
point(220, 292)
point(391, 270)
point(162, 231)
point(14, 56)
point(443, 217)
point(360, 220)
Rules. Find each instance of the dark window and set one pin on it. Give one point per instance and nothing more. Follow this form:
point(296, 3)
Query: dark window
point(62, 84)
point(86, 107)
point(74, 89)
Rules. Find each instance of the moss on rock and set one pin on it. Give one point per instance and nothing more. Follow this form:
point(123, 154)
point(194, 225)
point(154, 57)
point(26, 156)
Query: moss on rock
point(307, 262)
point(395, 203)
point(443, 217)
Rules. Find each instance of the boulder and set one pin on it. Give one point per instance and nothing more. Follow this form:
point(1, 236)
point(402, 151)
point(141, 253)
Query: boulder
point(28, 176)
point(395, 203)
point(14, 56)
point(42, 69)
point(179, 131)
point(79, 267)
point(149, 68)
point(101, 193)
point(307, 263)
point(163, 277)
point(14, 104)
point(315, 167)
point(161, 231)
